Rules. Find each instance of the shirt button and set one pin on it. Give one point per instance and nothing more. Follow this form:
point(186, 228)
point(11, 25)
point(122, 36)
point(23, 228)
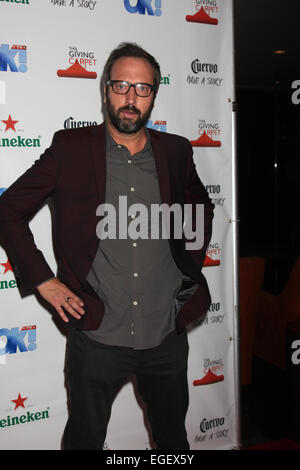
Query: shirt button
point(135, 274)
point(129, 161)
point(119, 146)
point(134, 244)
point(134, 302)
point(132, 216)
point(132, 188)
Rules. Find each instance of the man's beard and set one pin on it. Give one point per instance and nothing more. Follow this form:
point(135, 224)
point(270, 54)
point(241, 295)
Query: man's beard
point(127, 125)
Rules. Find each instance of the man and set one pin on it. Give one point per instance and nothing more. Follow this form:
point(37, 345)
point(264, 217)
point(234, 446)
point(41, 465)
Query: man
point(126, 300)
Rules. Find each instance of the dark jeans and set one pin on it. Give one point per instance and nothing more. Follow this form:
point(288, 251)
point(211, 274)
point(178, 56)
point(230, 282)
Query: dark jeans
point(96, 372)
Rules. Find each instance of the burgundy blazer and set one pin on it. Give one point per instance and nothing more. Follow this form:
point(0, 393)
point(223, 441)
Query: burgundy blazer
point(72, 173)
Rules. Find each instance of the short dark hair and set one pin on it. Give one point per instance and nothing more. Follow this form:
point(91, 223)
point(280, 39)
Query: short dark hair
point(131, 49)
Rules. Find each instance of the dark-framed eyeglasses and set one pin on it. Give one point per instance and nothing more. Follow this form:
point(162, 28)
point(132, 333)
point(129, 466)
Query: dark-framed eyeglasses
point(121, 87)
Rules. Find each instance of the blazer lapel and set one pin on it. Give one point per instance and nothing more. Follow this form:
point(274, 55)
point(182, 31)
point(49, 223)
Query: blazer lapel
point(161, 160)
point(98, 152)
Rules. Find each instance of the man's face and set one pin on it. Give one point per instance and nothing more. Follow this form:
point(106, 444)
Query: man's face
point(129, 113)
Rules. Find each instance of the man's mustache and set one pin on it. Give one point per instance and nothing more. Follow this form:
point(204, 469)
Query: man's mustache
point(129, 107)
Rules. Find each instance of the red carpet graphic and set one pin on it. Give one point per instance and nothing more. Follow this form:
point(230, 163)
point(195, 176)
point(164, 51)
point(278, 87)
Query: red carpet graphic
point(209, 378)
point(201, 17)
point(211, 262)
point(205, 141)
point(76, 71)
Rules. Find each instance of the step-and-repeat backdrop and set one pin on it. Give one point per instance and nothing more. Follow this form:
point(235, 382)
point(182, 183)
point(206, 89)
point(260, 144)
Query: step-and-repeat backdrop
point(52, 54)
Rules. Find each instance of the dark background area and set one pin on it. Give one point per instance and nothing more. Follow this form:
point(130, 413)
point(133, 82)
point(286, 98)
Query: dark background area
point(268, 160)
point(268, 133)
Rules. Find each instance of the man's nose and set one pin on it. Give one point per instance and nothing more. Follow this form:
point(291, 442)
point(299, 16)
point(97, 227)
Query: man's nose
point(131, 96)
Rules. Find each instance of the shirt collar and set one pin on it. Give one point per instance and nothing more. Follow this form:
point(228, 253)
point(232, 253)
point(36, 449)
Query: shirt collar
point(112, 144)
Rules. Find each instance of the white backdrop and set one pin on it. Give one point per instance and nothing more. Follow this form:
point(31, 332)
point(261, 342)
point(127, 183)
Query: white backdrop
point(192, 41)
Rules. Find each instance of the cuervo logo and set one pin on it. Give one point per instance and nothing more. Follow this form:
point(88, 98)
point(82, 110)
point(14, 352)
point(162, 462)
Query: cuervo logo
point(71, 124)
point(214, 307)
point(213, 188)
point(198, 66)
point(206, 425)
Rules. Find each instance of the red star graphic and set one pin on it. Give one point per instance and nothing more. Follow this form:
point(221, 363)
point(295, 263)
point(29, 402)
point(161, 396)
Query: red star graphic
point(7, 267)
point(19, 401)
point(10, 124)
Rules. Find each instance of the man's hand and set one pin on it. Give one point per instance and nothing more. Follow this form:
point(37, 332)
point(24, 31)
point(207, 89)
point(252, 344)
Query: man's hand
point(58, 295)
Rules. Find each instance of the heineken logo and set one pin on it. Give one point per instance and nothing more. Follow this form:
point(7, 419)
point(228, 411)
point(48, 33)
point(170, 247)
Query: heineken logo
point(20, 142)
point(16, 140)
point(27, 417)
point(7, 284)
point(24, 2)
point(7, 267)
point(165, 80)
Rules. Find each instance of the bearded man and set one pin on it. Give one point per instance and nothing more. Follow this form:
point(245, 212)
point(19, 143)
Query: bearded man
point(125, 301)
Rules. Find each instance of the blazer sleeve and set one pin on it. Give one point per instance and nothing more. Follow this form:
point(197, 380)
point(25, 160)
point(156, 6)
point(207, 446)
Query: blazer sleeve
point(195, 193)
point(18, 204)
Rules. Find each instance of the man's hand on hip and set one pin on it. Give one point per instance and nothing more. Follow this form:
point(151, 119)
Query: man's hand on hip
point(58, 295)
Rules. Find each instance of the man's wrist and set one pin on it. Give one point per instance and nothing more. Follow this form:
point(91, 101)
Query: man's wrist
point(39, 285)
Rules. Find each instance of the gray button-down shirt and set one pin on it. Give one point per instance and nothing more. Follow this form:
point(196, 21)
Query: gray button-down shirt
point(137, 279)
